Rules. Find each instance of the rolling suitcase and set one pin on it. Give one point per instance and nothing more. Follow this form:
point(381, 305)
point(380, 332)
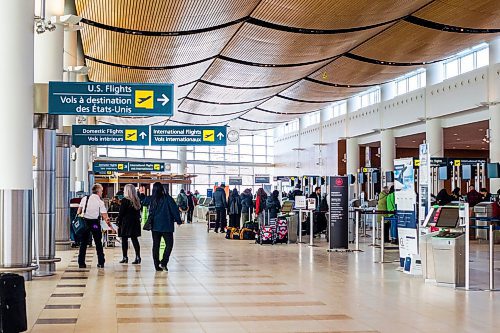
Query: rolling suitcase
point(282, 231)
point(13, 317)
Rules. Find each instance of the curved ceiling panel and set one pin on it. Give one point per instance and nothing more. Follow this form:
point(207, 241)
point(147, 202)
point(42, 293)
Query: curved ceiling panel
point(239, 75)
point(278, 104)
point(200, 120)
point(132, 120)
point(478, 14)
point(307, 90)
point(406, 42)
point(267, 46)
point(267, 118)
point(346, 71)
point(340, 14)
point(105, 73)
point(153, 51)
point(205, 91)
point(181, 92)
point(214, 110)
point(169, 15)
point(251, 126)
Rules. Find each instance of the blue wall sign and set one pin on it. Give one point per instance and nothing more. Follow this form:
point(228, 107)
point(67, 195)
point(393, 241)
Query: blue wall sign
point(235, 181)
point(109, 135)
point(117, 166)
point(188, 135)
point(111, 99)
point(262, 179)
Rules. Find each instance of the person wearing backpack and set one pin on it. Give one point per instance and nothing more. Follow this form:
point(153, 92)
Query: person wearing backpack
point(191, 204)
point(234, 209)
point(246, 205)
point(220, 203)
point(182, 203)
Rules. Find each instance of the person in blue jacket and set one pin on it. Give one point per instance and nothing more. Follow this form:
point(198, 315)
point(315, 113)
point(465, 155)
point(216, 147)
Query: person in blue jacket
point(165, 213)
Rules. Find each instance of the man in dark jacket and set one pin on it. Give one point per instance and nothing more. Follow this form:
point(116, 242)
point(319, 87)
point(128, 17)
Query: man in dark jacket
point(296, 191)
point(319, 216)
point(220, 203)
point(273, 204)
point(246, 205)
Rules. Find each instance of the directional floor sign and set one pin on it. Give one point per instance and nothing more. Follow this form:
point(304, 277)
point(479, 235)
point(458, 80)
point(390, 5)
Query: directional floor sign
point(117, 166)
point(111, 99)
point(108, 135)
point(188, 135)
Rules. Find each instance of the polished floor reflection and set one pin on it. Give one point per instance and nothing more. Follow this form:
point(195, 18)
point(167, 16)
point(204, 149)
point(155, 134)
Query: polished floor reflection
point(219, 285)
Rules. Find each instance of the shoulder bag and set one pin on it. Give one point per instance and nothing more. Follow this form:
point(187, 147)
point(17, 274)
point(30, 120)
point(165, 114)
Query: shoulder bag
point(78, 224)
point(149, 222)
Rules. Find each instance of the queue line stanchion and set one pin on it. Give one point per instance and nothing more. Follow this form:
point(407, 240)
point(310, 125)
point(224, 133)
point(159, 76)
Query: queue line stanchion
point(492, 257)
point(467, 256)
point(311, 229)
point(374, 231)
point(300, 227)
point(356, 231)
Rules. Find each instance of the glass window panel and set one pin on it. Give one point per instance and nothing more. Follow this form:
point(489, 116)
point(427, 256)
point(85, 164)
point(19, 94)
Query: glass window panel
point(217, 157)
point(204, 149)
point(483, 58)
point(467, 63)
point(259, 150)
point(246, 170)
point(451, 69)
point(246, 158)
point(169, 155)
point(270, 151)
point(152, 153)
point(245, 149)
point(202, 156)
point(102, 151)
point(232, 157)
point(190, 155)
point(259, 140)
point(260, 170)
point(247, 180)
point(413, 83)
point(423, 78)
point(246, 139)
point(260, 159)
point(190, 168)
point(401, 87)
point(116, 152)
point(232, 149)
point(175, 168)
point(343, 108)
point(270, 158)
point(232, 170)
point(217, 179)
point(217, 150)
point(201, 179)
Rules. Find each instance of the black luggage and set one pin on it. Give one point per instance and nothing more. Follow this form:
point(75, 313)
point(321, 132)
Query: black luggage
point(12, 304)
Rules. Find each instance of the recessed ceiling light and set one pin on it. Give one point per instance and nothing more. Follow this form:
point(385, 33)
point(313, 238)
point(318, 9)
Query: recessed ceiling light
point(455, 133)
point(467, 146)
point(483, 148)
point(413, 141)
point(481, 129)
point(458, 139)
point(454, 147)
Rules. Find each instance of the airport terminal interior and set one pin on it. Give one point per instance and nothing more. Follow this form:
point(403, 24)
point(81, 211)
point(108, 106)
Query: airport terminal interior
point(250, 166)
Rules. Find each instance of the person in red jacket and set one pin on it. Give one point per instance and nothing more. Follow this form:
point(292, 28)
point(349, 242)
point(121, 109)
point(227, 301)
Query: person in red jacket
point(496, 206)
point(473, 197)
point(260, 204)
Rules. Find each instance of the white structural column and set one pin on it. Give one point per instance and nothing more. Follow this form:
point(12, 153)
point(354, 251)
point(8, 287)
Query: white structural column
point(433, 128)
point(352, 147)
point(387, 152)
point(182, 155)
point(16, 133)
point(494, 99)
point(387, 91)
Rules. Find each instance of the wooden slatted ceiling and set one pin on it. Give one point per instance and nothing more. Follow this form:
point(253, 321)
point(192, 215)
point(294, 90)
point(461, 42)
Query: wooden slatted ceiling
point(277, 104)
point(350, 71)
point(106, 73)
point(406, 42)
point(226, 95)
point(257, 116)
point(214, 109)
point(483, 14)
point(238, 75)
point(164, 15)
point(250, 125)
point(316, 92)
point(153, 51)
point(336, 14)
point(265, 46)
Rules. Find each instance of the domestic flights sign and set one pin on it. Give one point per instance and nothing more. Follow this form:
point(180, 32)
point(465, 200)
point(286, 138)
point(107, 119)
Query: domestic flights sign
point(188, 135)
point(118, 166)
point(108, 135)
point(111, 99)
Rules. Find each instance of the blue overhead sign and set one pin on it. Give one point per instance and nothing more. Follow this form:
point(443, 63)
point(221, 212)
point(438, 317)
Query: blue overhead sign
point(108, 135)
point(188, 135)
point(111, 99)
point(117, 166)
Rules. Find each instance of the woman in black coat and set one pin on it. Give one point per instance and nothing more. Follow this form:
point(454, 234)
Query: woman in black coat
point(129, 223)
point(234, 209)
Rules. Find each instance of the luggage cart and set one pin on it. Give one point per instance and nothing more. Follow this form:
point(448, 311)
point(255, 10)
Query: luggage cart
point(110, 235)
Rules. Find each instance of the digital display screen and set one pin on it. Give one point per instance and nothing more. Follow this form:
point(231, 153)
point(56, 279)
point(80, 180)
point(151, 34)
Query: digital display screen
point(443, 173)
point(493, 170)
point(361, 178)
point(466, 172)
point(389, 176)
point(446, 217)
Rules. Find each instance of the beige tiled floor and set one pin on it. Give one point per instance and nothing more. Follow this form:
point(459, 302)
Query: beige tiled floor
point(218, 285)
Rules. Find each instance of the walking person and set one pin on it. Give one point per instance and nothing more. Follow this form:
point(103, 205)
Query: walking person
point(220, 203)
point(93, 209)
point(129, 223)
point(234, 209)
point(164, 213)
point(191, 205)
point(246, 206)
point(182, 203)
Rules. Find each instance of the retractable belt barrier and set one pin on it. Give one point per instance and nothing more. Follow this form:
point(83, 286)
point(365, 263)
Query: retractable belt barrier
point(358, 211)
point(491, 227)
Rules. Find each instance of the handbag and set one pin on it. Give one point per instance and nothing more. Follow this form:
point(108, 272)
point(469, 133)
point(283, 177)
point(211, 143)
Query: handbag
point(79, 225)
